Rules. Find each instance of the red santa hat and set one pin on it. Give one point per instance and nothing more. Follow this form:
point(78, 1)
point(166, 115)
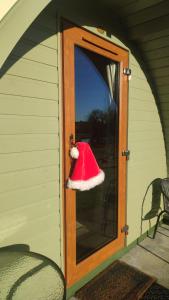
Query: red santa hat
point(86, 173)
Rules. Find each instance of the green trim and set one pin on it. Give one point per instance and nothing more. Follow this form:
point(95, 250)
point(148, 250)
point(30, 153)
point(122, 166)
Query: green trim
point(71, 291)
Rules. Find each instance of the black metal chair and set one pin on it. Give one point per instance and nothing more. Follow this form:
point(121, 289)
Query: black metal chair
point(164, 183)
point(28, 275)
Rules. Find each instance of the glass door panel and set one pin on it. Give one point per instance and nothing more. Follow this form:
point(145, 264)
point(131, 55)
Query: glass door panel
point(96, 122)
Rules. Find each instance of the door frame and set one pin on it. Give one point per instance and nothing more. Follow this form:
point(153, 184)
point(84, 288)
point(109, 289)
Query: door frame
point(71, 36)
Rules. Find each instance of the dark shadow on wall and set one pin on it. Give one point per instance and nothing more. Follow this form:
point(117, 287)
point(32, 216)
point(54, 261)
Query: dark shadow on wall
point(155, 186)
point(20, 264)
point(86, 13)
point(24, 277)
point(16, 247)
point(43, 27)
point(95, 14)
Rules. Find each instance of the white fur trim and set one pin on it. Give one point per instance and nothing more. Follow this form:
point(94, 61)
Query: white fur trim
point(84, 185)
point(74, 152)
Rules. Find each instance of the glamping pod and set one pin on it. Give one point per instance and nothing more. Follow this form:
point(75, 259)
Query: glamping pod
point(67, 79)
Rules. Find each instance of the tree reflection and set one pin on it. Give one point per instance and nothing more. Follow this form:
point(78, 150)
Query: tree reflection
point(101, 125)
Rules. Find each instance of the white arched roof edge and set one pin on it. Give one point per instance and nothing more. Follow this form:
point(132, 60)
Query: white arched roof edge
point(5, 6)
point(15, 21)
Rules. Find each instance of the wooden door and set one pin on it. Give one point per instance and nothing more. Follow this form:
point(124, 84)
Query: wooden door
point(95, 111)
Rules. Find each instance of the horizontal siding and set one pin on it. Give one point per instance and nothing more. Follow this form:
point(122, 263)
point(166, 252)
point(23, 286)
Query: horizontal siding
point(40, 210)
point(164, 98)
point(141, 125)
point(137, 6)
point(156, 43)
point(161, 73)
point(147, 24)
point(25, 106)
point(15, 85)
point(150, 13)
point(159, 63)
point(139, 74)
point(27, 124)
point(145, 117)
point(41, 35)
point(35, 52)
point(41, 192)
point(142, 105)
point(28, 178)
point(145, 141)
point(164, 106)
point(36, 70)
point(29, 139)
point(23, 229)
point(165, 117)
point(140, 93)
point(27, 160)
point(139, 137)
point(157, 34)
point(139, 83)
point(162, 81)
point(13, 143)
point(156, 53)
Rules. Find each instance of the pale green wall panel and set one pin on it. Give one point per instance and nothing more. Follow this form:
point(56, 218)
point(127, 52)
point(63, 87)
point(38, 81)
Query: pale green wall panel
point(32, 224)
point(139, 74)
point(41, 192)
point(34, 71)
point(39, 35)
point(15, 85)
point(139, 83)
point(28, 178)
point(29, 138)
point(25, 106)
point(142, 105)
point(27, 124)
point(27, 142)
point(146, 143)
point(27, 160)
point(38, 53)
point(138, 93)
point(143, 115)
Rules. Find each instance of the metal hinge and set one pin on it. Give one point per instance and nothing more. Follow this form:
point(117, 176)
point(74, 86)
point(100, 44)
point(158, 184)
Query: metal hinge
point(126, 153)
point(127, 71)
point(125, 229)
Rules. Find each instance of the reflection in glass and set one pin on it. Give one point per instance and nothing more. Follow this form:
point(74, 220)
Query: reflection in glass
point(96, 106)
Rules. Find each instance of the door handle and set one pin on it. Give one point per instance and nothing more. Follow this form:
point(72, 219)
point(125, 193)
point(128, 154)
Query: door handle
point(72, 141)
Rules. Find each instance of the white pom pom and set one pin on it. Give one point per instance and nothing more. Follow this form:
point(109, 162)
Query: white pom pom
point(74, 152)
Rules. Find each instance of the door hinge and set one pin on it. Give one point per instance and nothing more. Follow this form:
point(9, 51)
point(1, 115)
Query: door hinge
point(126, 153)
point(125, 229)
point(127, 71)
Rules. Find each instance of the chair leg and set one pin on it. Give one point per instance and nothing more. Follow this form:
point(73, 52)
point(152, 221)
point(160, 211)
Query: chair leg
point(156, 226)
